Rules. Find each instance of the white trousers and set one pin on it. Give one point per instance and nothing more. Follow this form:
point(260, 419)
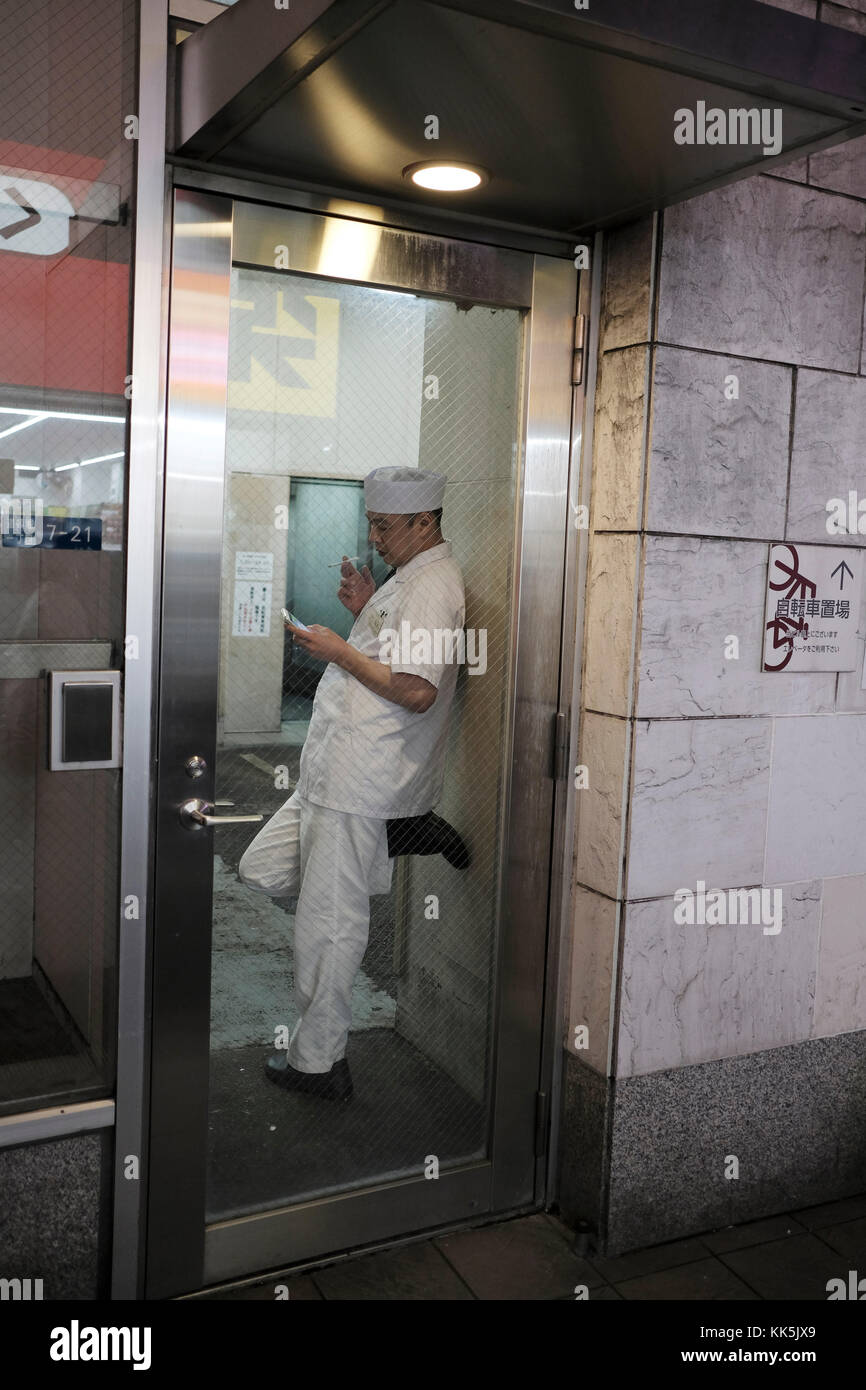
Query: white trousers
point(331, 861)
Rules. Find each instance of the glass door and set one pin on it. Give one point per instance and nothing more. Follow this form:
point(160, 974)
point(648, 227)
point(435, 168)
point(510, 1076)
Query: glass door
point(292, 376)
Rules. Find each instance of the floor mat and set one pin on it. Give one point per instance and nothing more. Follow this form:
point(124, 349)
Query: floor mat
point(28, 1028)
point(268, 1147)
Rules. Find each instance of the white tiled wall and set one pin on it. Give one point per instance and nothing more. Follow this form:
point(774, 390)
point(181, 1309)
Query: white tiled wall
point(701, 767)
point(840, 1001)
point(713, 416)
point(785, 284)
point(696, 993)
point(817, 810)
point(827, 457)
point(698, 804)
point(698, 595)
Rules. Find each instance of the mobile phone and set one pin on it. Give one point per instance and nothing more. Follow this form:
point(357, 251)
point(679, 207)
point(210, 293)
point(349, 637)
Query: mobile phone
point(296, 622)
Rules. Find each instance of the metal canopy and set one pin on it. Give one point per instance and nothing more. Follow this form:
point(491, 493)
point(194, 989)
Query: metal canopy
point(572, 111)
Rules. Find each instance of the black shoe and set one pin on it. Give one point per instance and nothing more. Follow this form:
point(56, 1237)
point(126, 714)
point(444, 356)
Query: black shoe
point(428, 834)
point(335, 1084)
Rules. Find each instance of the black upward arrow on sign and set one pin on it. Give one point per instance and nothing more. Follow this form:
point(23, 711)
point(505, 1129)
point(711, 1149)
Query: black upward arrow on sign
point(32, 219)
point(843, 567)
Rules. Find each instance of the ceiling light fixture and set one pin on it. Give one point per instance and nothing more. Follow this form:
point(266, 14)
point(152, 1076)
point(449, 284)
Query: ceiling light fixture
point(22, 425)
point(101, 458)
point(444, 177)
point(62, 415)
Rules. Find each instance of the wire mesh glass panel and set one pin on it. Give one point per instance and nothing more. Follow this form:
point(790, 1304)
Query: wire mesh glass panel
point(67, 157)
point(355, 937)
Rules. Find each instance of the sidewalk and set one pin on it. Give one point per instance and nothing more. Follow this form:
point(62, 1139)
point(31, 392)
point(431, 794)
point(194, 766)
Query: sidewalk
point(533, 1258)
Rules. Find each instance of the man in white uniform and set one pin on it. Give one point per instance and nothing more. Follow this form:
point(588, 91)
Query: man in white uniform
point(375, 750)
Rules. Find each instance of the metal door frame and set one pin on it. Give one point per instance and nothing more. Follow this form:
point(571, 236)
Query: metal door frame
point(184, 1254)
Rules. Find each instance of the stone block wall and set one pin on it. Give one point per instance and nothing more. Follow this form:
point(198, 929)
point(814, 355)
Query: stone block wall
point(709, 1041)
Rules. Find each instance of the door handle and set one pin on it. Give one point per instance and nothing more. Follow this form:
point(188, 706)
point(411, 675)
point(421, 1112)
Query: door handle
point(193, 813)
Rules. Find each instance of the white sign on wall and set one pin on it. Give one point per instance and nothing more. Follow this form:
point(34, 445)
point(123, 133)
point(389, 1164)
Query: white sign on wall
point(34, 216)
point(251, 611)
point(813, 608)
point(254, 564)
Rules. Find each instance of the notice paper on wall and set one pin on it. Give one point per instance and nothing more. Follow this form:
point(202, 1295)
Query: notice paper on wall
point(254, 564)
point(251, 611)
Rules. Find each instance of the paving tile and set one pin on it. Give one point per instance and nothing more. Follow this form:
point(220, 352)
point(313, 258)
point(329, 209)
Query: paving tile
point(524, 1259)
point(532, 1257)
point(301, 1289)
point(656, 1257)
point(752, 1233)
point(605, 1293)
point(566, 1233)
point(831, 1213)
point(702, 1281)
point(300, 1286)
point(849, 1239)
point(796, 1268)
point(409, 1273)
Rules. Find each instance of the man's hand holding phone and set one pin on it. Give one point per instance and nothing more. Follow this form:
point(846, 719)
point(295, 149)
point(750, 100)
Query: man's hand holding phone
point(356, 586)
point(292, 620)
point(320, 642)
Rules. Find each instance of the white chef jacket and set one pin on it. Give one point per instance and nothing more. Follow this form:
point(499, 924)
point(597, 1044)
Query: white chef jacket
point(363, 753)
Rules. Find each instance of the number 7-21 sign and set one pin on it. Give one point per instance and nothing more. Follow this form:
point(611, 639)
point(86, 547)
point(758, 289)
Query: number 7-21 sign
point(58, 533)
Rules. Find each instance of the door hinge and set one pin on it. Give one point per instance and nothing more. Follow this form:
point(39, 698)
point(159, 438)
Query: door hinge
point(579, 345)
point(542, 1114)
point(561, 741)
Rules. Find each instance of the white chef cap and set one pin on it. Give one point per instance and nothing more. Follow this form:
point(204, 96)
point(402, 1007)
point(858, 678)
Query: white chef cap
point(403, 490)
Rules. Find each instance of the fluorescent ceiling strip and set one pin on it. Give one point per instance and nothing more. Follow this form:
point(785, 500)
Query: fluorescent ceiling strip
point(22, 425)
point(62, 415)
point(103, 458)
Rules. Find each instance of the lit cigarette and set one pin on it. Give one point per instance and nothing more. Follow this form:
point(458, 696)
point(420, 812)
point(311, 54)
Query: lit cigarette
point(336, 563)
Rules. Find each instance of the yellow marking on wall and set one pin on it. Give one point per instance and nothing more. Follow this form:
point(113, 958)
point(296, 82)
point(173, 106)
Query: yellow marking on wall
point(319, 396)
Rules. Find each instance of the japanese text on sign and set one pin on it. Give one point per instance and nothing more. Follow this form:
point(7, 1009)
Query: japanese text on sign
point(251, 614)
point(812, 608)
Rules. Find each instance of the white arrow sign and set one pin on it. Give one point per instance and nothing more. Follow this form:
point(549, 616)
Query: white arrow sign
point(34, 216)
